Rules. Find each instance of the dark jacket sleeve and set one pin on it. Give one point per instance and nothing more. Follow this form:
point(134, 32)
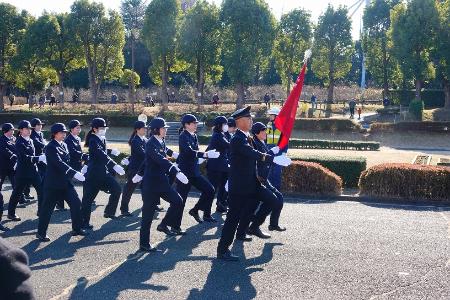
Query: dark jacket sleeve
point(38, 144)
point(21, 151)
point(186, 149)
point(54, 160)
point(14, 273)
point(162, 161)
point(97, 153)
point(243, 148)
point(6, 153)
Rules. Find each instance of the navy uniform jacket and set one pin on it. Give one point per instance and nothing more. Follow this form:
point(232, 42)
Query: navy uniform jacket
point(38, 141)
point(263, 167)
point(75, 152)
point(243, 168)
point(58, 173)
point(8, 157)
point(26, 159)
point(189, 154)
point(157, 168)
point(137, 156)
point(100, 164)
point(222, 144)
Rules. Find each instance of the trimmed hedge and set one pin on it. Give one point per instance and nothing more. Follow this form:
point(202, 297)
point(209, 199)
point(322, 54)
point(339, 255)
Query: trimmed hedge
point(310, 178)
point(428, 126)
point(431, 98)
point(348, 168)
point(406, 181)
point(327, 124)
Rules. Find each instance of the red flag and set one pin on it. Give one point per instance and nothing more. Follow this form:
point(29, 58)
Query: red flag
point(286, 118)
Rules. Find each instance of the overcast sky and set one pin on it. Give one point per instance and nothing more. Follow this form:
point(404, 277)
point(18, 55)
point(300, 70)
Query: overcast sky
point(316, 7)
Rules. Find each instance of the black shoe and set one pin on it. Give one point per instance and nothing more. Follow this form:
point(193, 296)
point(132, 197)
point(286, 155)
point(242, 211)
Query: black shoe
point(112, 217)
point(276, 228)
point(227, 256)
point(42, 238)
point(87, 227)
point(194, 213)
point(244, 238)
point(61, 208)
point(80, 232)
point(258, 232)
point(209, 219)
point(159, 208)
point(221, 209)
point(3, 228)
point(148, 249)
point(28, 197)
point(126, 214)
point(14, 218)
point(178, 231)
point(165, 229)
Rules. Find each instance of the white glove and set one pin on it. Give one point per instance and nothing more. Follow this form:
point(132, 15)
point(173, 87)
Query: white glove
point(84, 169)
point(212, 154)
point(115, 152)
point(42, 158)
point(119, 170)
point(226, 186)
point(15, 166)
point(136, 178)
point(181, 177)
point(200, 161)
point(175, 154)
point(275, 150)
point(125, 161)
point(282, 160)
point(78, 176)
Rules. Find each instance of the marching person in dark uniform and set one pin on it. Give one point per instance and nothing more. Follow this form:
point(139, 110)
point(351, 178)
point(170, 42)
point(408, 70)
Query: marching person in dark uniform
point(271, 198)
point(154, 174)
point(217, 169)
point(98, 176)
point(39, 142)
point(14, 273)
point(58, 184)
point(73, 142)
point(137, 143)
point(26, 171)
point(243, 182)
point(8, 161)
point(231, 128)
point(188, 162)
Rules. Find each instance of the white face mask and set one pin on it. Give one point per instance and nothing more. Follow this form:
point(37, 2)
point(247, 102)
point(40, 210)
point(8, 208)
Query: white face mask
point(102, 132)
point(224, 127)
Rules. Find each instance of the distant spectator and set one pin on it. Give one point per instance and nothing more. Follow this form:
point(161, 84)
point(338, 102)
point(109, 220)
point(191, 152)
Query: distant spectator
point(215, 99)
point(149, 100)
point(11, 98)
point(359, 110)
point(352, 105)
point(52, 100)
point(313, 101)
point(267, 100)
point(41, 101)
point(386, 102)
point(75, 97)
point(113, 98)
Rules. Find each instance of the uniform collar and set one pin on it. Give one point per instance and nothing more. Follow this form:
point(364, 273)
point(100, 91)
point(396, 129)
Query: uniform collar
point(101, 138)
point(26, 138)
point(76, 137)
point(247, 134)
point(160, 140)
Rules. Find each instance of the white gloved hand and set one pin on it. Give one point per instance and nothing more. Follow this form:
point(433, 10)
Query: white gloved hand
point(182, 178)
point(115, 152)
point(84, 169)
point(275, 150)
point(119, 170)
point(282, 160)
point(42, 158)
point(212, 154)
point(175, 154)
point(200, 161)
point(226, 186)
point(136, 178)
point(15, 166)
point(78, 176)
point(125, 161)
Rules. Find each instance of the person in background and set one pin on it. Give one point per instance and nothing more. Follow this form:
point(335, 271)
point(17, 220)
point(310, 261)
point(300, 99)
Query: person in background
point(313, 101)
point(52, 100)
point(41, 101)
point(352, 105)
point(73, 142)
point(8, 161)
point(359, 110)
point(215, 100)
point(11, 98)
point(113, 98)
point(267, 100)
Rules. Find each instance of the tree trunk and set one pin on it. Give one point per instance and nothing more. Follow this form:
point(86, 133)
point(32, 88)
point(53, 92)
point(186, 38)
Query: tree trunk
point(61, 88)
point(132, 86)
point(200, 84)
point(447, 94)
point(288, 85)
point(385, 72)
point(2, 93)
point(92, 85)
point(165, 79)
point(418, 89)
point(240, 93)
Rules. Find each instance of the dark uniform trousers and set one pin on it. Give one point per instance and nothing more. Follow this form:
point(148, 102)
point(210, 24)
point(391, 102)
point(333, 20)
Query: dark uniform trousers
point(128, 190)
point(206, 198)
point(218, 180)
point(53, 196)
point(21, 184)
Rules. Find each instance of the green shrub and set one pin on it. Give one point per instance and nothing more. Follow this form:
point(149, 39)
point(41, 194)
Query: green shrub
point(348, 168)
point(310, 178)
point(431, 98)
point(406, 181)
point(416, 109)
point(326, 124)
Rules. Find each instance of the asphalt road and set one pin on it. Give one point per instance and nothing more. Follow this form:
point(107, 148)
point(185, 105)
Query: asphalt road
point(332, 250)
